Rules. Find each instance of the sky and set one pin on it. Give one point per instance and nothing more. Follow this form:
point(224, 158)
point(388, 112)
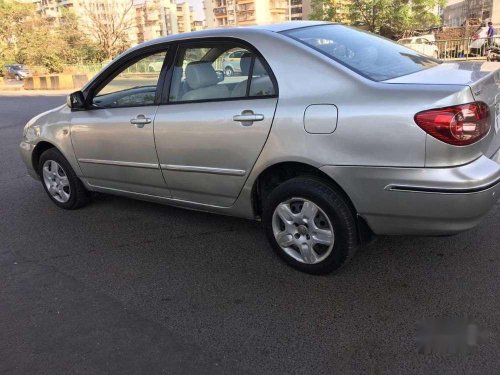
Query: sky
point(198, 9)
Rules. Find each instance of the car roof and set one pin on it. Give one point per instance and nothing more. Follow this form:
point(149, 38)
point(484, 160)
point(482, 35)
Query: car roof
point(235, 31)
point(222, 32)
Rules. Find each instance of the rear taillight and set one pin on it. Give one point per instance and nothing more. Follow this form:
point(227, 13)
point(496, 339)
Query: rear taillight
point(459, 125)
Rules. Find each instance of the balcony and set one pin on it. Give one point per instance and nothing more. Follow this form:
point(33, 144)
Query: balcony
point(246, 7)
point(152, 15)
point(277, 18)
point(246, 17)
point(220, 12)
point(279, 5)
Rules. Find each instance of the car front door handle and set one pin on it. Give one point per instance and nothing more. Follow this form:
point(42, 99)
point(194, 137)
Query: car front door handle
point(140, 121)
point(248, 117)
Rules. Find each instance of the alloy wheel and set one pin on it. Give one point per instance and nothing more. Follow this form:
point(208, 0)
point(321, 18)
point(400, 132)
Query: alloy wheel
point(56, 181)
point(303, 230)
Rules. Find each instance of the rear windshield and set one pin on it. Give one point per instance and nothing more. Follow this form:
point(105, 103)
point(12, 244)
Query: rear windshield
point(370, 55)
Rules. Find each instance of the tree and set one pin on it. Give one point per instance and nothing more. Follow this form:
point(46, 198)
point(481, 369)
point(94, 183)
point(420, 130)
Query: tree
point(327, 10)
point(28, 37)
point(372, 13)
point(109, 23)
point(11, 16)
point(389, 18)
point(80, 48)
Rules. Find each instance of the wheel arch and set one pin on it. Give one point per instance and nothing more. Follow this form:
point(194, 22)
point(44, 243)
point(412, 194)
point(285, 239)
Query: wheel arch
point(280, 172)
point(39, 149)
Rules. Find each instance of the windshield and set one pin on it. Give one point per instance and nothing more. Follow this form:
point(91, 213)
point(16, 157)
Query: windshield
point(369, 55)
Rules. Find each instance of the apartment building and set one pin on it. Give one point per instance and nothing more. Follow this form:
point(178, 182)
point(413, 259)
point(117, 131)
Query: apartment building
point(198, 25)
point(149, 19)
point(155, 18)
point(456, 12)
point(186, 18)
point(219, 13)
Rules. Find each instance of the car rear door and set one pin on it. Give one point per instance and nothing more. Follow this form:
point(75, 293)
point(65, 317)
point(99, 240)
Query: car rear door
point(209, 133)
point(114, 139)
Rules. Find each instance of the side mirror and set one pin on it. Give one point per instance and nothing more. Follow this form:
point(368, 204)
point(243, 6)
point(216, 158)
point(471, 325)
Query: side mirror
point(220, 75)
point(76, 100)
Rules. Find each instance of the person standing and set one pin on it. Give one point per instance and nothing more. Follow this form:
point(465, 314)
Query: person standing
point(491, 33)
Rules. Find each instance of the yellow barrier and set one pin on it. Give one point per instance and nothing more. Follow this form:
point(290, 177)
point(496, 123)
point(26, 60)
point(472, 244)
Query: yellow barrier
point(55, 82)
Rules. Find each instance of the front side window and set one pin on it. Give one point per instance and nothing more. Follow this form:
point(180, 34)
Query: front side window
point(135, 85)
point(369, 55)
point(218, 72)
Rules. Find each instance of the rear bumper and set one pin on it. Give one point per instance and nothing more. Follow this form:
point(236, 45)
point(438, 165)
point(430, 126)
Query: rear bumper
point(421, 201)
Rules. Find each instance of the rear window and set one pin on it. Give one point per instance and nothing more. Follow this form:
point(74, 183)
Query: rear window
point(369, 55)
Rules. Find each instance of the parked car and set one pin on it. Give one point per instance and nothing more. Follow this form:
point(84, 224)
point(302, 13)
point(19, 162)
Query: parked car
point(425, 44)
point(231, 63)
point(16, 71)
point(359, 136)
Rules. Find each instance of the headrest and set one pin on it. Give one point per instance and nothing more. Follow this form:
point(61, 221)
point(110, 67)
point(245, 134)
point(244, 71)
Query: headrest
point(258, 68)
point(200, 74)
point(246, 60)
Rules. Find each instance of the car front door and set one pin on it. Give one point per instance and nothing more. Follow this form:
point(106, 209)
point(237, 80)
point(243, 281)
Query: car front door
point(212, 129)
point(114, 139)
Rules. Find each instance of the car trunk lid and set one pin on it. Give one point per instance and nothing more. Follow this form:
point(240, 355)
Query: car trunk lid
point(482, 78)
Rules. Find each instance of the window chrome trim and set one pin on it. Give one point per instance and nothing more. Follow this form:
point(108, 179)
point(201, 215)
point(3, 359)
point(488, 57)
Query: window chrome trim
point(120, 163)
point(191, 168)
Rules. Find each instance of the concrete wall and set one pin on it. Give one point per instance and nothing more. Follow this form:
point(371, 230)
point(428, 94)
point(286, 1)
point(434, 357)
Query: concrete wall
point(56, 82)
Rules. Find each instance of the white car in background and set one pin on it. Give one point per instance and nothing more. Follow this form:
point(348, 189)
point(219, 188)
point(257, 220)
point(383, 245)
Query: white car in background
point(425, 44)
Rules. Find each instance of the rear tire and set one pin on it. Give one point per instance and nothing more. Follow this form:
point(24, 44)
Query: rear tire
point(60, 181)
point(228, 71)
point(318, 234)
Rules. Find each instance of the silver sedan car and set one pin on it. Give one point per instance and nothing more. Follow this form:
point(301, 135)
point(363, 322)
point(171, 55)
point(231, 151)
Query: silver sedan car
point(329, 136)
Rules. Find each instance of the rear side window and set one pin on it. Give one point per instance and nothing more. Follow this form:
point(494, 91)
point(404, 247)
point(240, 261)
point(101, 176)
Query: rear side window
point(369, 55)
point(204, 73)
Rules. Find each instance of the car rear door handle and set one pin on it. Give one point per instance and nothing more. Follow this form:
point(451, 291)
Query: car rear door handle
point(248, 117)
point(140, 121)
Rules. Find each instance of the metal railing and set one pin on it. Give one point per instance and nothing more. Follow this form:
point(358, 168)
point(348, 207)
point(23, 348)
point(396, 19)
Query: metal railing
point(457, 49)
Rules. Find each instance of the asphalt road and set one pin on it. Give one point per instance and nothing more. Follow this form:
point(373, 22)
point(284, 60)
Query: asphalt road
point(129, 287)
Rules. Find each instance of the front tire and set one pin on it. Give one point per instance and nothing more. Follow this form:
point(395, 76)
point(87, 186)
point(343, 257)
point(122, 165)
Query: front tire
point(228, 71)
point(310, 225)
point(60, 181)
point(17, 77)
